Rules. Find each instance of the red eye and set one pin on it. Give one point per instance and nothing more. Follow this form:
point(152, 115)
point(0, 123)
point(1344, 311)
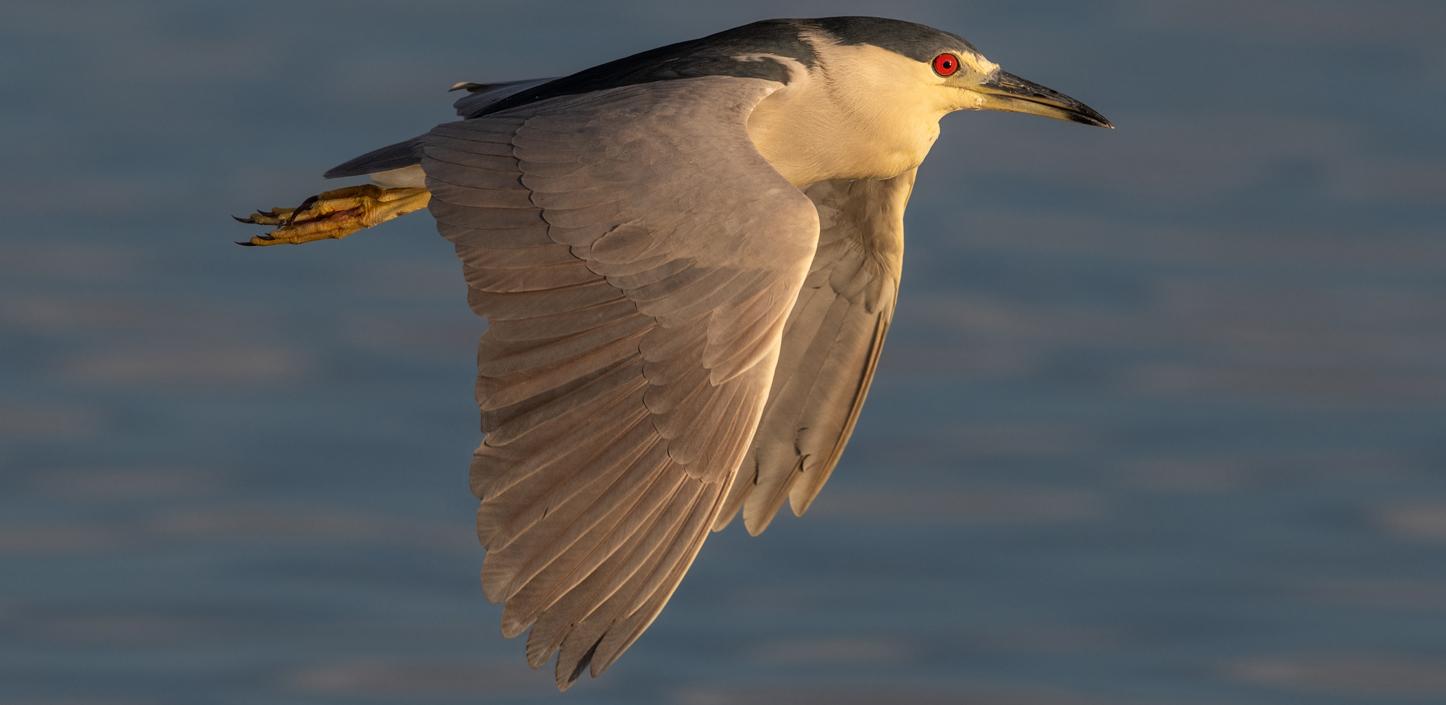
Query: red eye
point(946, 64)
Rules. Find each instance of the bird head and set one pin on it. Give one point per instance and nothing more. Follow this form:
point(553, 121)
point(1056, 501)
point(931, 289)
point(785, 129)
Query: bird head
point(899, 65)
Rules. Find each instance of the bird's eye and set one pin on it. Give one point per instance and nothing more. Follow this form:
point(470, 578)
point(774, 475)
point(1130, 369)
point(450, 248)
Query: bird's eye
point(946, 64)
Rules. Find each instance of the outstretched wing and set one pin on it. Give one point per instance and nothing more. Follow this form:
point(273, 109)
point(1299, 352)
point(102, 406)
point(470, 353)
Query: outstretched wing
point(637, 259)
point(831, 346)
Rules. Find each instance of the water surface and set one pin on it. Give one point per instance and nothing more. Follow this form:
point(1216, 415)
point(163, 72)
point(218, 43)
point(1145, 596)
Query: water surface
point(1162, 418)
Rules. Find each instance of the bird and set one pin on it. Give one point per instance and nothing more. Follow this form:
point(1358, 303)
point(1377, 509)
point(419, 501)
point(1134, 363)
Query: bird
point(688, 260)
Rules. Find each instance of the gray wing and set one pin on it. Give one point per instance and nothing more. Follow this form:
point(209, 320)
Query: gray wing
point(636, 258)
point(830, 349)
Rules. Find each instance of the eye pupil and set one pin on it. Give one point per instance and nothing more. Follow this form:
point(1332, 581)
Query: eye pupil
point(946, 64)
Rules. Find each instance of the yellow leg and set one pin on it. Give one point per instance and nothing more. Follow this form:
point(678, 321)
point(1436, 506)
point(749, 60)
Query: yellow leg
point(335, 214)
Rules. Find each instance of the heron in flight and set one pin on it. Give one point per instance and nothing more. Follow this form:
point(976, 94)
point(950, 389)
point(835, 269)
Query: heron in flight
point(688, 260)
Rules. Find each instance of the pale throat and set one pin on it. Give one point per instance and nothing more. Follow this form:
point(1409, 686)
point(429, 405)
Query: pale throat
point(878, 123)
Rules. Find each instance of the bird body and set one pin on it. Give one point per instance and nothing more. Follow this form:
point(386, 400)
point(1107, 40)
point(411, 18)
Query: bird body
point(689, 260)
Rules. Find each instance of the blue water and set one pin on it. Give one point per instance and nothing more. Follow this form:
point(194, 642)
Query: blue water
point(1162, 419)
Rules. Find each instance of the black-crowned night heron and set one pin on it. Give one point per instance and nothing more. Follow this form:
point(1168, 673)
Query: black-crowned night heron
point(688, 259)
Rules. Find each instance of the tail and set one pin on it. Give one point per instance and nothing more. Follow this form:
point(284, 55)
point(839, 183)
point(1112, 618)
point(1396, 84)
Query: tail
point(393, 156)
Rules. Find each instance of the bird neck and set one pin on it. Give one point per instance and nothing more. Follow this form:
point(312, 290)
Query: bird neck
point(870, 126)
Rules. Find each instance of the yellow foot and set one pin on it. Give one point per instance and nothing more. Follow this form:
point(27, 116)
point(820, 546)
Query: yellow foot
point(335, 214)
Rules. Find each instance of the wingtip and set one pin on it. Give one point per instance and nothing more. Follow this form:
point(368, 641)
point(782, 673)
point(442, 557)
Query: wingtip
point(512, 628)
point(756, 528)
point(566, 677)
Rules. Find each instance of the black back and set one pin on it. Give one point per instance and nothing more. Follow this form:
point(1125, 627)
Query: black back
point(714, 55)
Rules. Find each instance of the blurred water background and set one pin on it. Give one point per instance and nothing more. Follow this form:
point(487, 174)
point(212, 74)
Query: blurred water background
point(1162, 419)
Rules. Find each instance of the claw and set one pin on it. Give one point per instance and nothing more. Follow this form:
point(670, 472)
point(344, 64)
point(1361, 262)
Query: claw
point(263, 240)
point(267, 217)
point(334, 214)
point(290, 218)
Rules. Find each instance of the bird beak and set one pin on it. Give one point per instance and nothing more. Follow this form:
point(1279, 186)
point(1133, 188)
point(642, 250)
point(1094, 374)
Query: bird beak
point(1009, 93)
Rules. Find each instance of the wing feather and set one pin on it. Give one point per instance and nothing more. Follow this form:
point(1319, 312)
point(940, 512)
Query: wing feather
point(637, 303)
point(830, 350)
point(629, 545)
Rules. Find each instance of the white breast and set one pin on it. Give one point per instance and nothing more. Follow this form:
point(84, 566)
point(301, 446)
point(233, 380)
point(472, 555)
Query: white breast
point(862, 113)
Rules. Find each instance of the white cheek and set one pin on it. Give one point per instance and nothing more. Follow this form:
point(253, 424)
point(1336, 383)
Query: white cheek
point(971, 101)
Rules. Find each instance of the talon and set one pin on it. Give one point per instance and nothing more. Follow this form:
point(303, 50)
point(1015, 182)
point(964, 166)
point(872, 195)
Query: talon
point(305, 205)
point(266, 217)
point(335, 214)
point(262, 240)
